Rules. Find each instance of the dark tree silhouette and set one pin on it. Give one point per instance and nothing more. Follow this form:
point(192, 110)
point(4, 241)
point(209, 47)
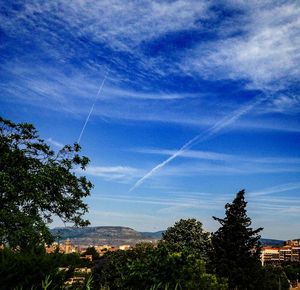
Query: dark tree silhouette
point(236, 247)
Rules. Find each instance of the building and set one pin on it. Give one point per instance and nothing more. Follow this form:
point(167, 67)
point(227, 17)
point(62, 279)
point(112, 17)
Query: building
point(68, 246)
point(288, 253)
point(124, 247)
point(270, 256)
point(295, 243)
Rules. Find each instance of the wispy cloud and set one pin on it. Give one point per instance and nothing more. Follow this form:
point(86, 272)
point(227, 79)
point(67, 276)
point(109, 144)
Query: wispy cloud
point(218, 156)
point(179, 201)
point(249, 54)
point(287, 103)
point(206, 169)
point(264, 50)
point(123, 24)
point(55, 143)
point(210, 132)
point(188, 154)
point(277, 189)
point(117, 214)
point(115, 173)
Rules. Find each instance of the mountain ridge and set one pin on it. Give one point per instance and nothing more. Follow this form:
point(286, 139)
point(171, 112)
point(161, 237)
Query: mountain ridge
point(118, 235)
point(112, 235)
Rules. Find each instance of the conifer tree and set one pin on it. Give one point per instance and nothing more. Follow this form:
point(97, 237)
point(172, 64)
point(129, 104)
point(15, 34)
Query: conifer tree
point(236, 247)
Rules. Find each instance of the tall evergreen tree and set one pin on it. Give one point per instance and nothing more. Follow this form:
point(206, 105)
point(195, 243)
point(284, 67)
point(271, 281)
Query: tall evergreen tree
point(236, 254)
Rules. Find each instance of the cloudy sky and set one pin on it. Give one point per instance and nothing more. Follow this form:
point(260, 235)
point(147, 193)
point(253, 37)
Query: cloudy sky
point(200, 99)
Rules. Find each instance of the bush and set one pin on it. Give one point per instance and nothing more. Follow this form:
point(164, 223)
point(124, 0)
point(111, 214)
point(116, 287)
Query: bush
point(146, 266)
point(28, 269)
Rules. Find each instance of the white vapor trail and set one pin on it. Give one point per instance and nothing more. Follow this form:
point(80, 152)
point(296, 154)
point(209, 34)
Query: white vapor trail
point(210, 132)
point(92, 108)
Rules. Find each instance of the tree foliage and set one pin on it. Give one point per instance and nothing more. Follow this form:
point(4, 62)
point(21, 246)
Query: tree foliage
point(150, 267)
point(188, 235)
point(272, 277)
point(27, 270)
point(37, 183)
point(292, 270)
point(91, 251)
point(236, 248)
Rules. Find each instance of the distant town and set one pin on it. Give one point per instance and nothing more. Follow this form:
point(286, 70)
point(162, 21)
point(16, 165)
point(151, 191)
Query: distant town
point(67, 248)
point(270, 254)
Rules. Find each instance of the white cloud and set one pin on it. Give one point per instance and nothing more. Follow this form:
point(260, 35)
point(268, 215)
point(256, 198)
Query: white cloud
point(265, 53)
point(285, 103)
point(122, 215)
point(175, 201)
point(276, 189)
point(55, 143)
point(218, 156)
point(265, 50)
point(120, 24)
point(126, 24)
point(114, 173)
point(188, 154)
point(223, 170)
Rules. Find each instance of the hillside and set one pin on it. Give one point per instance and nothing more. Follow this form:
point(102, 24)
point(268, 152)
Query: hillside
point(118, 235)
point(104, 235)
point(271, 242)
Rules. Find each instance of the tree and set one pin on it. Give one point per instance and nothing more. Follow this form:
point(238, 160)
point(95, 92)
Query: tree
point(188, 235)
point(236, 247)
point(148, 267)
point(91, 251)
point(37, 183)
point(273, 277)
point(27, 270)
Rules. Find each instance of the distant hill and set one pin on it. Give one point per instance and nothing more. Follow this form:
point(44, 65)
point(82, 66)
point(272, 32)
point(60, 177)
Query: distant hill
point(118, 235)
point(271, 242)
point(104, 235)
point(153, 235)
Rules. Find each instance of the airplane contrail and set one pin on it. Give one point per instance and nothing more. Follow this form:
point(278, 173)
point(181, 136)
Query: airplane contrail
point(210, 132)
point(92, 108)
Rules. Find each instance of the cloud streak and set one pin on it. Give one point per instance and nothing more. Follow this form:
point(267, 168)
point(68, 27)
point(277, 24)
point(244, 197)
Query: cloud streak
point(55, 143)
point(92, 108)
point(209, 133)
point(114, 173)
point(217, 156)
point(276, 189)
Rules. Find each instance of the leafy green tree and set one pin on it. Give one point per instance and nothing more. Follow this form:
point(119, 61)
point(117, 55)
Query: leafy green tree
point(292, 271)
point(150, 267)
point(188, 235)
point(236, 248)
point(27, 270)
point(35, 184)
point(273, 277)
point(91, 251)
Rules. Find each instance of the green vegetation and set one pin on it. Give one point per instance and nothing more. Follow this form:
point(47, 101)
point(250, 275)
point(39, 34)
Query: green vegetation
point(272, 277)
point(91, 251)
point(188, 236)
point(146, 265)
point(236, 248)
point(30, 269)
point(36, 183)
point(292, 271)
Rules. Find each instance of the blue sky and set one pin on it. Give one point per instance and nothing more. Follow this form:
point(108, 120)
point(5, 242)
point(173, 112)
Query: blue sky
point(201, 99)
